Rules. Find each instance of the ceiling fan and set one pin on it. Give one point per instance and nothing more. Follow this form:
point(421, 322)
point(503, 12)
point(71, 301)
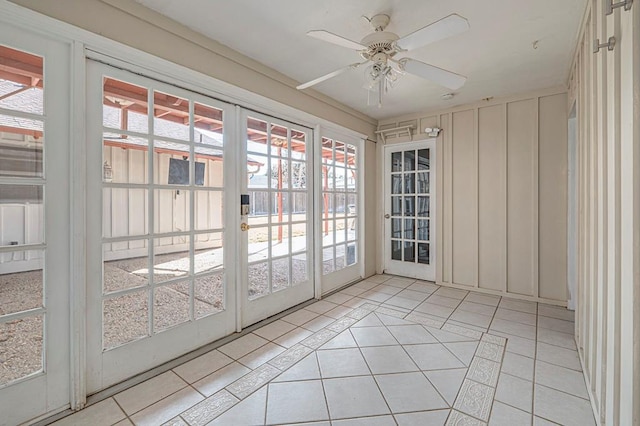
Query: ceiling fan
point(380, 48)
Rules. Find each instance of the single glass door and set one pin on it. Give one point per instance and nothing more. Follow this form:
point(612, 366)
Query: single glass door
point(277, 228)
point(161, 264)
point(410, 209)
point(34, 226)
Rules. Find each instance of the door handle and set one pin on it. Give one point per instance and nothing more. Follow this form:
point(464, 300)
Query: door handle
point(386, 216)
point(244, 227)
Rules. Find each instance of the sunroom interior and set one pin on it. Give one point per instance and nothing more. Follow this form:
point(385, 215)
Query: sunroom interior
point(188, 236)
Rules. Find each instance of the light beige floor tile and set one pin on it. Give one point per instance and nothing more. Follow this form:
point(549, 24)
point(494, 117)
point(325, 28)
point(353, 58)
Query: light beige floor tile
point(562, 408)
point(555, 312)
point(354, 397)
point(431, 418)
point(293, 337)
point(515, 391)
point(204, 365)
point(425, 319)
point(538, 421)
point(320, 307)
point(438, 299)
point(422, 287)
point(505, 415)
point(433, 309)
point(338, 312)
point(176, 421)
point(261, 355)
point(518, 345)
point(560, 378)
point(371, 320)
point(407, 392)
point(444, 336)
point(390, 320)
point(104, 413)
point(167, 408)
point(250, 411)
point(517, 316)
point(514, 328)
point(485, 299)
point(307, 369)
point(411, 334)
point(380, 278)
point(471, 318)
point(274, 330)
point(338, 298)
point(376, 296)
point(296, 402)
point(341, 341)
point(556, 338)
point(318, 323)
point(518, 365)
point(242, 346)
point(373, 336)
point(290, 357)
point(412, 294)
point(558, 356)
point(127, 422)
point(300, 317)
point(478, 308)
point(556, 324)
point(447, 382)
point(451, 292)
point(362, 421)
point(356, 302)
point(402, 302)
point(221, 378)
point(146, 393)
point(342, 363)
point(352, 291)
point(433, 356)
point(519, 305)
point(388, 359)
point(464, 351)
point(450, 325)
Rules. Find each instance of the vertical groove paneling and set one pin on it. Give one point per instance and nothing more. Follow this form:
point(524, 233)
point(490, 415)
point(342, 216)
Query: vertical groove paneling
point(492, 197)
point(464, 186)
point(608, 321)
point(552, 197)
point(521, 132)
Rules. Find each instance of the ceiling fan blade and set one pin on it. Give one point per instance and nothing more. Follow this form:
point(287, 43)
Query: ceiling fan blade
point(328, 76)
point(442, 77)
point(445, 27)
point(335, 39)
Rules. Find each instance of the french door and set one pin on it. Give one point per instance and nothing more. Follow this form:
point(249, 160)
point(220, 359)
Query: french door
point(409, 209)
point(277, 227)
point(34, 225)
point(161, 264)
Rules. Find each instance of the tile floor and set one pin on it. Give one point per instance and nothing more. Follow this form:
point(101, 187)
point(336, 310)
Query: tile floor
point(385, 351)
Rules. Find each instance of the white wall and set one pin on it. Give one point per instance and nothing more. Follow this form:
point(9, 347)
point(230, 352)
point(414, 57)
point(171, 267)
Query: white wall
point(502, 186)
point(605, 87)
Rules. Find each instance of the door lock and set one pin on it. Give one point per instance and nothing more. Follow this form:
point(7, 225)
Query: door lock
point(386, 216)
point(244, 227)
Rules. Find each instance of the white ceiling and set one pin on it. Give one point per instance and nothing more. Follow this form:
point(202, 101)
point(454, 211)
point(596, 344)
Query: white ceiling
point(496, 54)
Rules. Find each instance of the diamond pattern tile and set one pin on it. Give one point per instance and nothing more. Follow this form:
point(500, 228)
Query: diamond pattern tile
point(386, 351)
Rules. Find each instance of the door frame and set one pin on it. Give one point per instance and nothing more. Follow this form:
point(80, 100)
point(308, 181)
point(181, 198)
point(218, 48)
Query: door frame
point(431, 144)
